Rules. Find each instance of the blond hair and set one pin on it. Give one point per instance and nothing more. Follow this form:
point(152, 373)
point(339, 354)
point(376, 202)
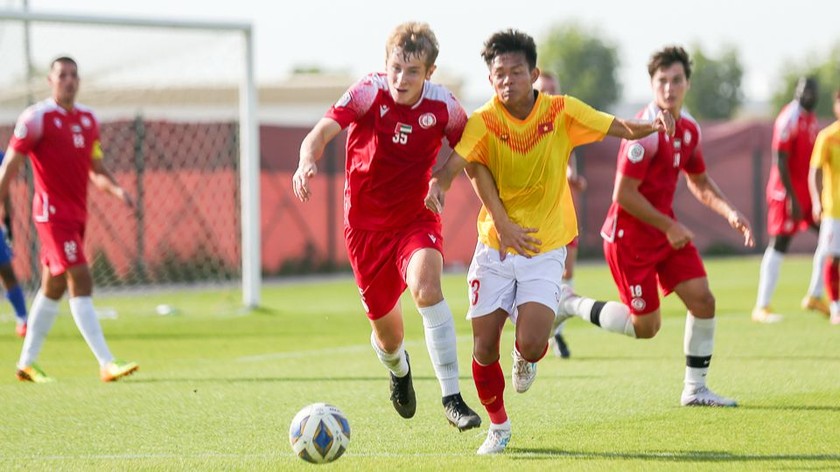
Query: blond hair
point(413, 39)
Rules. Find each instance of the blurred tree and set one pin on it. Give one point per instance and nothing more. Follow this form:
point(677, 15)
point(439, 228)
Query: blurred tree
point(827, 72)
point(715, 84)
point(585, 63)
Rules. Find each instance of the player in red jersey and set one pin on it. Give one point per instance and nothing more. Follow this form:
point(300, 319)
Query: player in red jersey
point(788, 199)
point(396, 124)
point(644, 244)
point(61, 139)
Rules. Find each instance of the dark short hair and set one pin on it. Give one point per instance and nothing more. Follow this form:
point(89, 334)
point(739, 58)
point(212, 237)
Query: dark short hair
point(510, 40)
point(667, 56)
point(63, 60)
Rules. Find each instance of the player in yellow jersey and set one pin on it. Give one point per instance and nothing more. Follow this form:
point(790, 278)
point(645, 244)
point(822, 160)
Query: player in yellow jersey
point(824, 185)
point(516, 149)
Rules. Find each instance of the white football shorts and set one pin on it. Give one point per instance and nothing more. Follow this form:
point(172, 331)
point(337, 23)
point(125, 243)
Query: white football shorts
point(507, 284)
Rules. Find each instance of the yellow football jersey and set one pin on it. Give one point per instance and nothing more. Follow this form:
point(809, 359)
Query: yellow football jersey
point(528, 160)
point(826, 156)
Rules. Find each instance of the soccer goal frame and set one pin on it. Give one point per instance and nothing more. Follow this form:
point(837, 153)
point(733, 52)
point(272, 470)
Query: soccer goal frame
point(249, 177)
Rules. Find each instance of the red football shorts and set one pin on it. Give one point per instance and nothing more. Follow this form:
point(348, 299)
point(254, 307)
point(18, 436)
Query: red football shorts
point(62, 245)
point(781, 223)
point(380, 259)
point(638, 271)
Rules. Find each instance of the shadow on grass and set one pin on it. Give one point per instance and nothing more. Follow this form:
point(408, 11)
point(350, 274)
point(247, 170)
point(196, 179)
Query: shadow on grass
point(669, 456)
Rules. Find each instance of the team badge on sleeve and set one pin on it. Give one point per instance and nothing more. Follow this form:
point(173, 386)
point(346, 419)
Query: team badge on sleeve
point(635, 153)
point(21, 131)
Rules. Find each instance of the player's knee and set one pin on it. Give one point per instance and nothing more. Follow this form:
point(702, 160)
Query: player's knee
point(426, 293)
point(703, 306)
point(648, 326)
point(485, 353)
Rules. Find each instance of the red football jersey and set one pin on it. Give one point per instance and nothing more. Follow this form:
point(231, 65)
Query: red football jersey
point(391, 149)
point(656, 160)
point(794, 133)
point(61, 145)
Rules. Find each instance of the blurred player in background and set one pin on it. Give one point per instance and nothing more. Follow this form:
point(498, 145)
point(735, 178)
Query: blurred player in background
point(516, 150)
point(644, 244)
point(824, 186)
point(397, 121)
point(61, 139)
point(14, 293)
point(547, 83)
point(788, 199)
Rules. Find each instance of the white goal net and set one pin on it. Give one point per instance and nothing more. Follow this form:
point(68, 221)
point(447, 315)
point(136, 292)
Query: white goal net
point(175, 101)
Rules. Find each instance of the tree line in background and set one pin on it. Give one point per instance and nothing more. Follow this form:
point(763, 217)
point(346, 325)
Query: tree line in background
point(586, 64)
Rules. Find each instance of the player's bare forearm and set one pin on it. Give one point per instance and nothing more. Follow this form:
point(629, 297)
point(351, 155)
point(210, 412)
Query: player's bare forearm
point(104, 181)
point(636, 129)
point(453, 166)
point(632, 201)
point(485, 187)
point(781, 160)
point(311, 150)
point(8, 170)
point(815, 189)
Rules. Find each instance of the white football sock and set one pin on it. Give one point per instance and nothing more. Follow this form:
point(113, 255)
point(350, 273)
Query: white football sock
point(698, 344)
point(396, 362)
point(42, 315)
point(768, 276)
point(504, 426)
point(85, 317)
point(611, 316)
point(440, 341)
point(815, 287)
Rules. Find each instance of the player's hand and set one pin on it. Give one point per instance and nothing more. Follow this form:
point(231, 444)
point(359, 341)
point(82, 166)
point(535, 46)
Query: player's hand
point(513, 236)
point(816, 211)
point(126, 198)
point(740, 222)
point(434, 197)
point(665, 122)
point(300, 181)
point(577, 182)
point(678, 235)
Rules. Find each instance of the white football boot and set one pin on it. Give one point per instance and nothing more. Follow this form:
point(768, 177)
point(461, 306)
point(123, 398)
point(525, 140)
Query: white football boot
point(702, 396)
point(523, 373)
point(496, 441)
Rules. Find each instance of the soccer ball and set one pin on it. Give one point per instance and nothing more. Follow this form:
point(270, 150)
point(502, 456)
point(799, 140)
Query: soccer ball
point(319, 433)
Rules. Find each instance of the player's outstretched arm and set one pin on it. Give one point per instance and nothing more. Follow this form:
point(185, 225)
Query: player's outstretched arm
point(708, 193)
point(511, 235)
point(311, 150)
point(104, 181)
point(636, 129)
point(8, 170)
point(627, 195)
point(442, 179)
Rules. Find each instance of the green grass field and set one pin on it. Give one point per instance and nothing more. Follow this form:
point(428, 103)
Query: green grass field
point(217, 388)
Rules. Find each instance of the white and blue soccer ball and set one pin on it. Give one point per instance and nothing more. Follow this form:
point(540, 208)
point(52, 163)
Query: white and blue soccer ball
point(319, 433)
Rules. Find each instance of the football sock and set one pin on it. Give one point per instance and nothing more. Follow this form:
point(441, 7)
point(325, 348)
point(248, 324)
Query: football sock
point(490, 385)
point(85, 317)
point(43, 314)
point(815, 287)
point(699, 342)
point(832, 279)
point(396, 362)
point(18, 301)
point(611, 316)
point(768, 276)
point(500, 426)
point(440, 341)
point(568, 282)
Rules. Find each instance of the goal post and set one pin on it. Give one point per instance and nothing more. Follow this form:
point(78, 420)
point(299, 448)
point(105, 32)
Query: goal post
point(199, 139)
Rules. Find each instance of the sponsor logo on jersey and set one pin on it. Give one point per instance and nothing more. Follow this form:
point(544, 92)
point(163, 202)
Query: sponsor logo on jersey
point(636, 153)
point(21, 131)
point(57, 122)
point(86, 122)
point(344, 100)
point(677, 144)
point(75, 128)
point(638, 304)
point(403, 128)
point(427, 120)
point(382, 110)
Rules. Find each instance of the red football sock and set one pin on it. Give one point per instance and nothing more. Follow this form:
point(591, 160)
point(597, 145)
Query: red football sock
point(490, 384)
point(832, 278)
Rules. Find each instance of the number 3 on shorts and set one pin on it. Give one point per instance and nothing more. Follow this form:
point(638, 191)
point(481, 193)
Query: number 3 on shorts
point(474, 285)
